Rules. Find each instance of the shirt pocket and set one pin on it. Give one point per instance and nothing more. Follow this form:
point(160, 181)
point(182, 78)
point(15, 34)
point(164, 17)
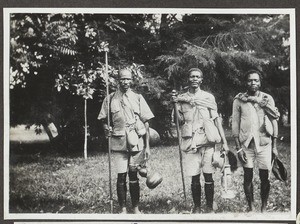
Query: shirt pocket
point(118, 120)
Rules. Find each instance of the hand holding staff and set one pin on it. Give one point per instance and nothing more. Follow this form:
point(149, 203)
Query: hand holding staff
point(176, 116)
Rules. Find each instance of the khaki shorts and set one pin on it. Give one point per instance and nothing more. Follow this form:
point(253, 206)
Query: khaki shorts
point(263, 156)
point(201, 159)
point(125, 160)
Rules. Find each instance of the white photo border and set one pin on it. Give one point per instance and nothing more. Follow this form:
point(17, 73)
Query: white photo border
point(291, 216)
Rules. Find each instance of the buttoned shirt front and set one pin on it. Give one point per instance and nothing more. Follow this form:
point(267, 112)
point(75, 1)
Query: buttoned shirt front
point(248, 121)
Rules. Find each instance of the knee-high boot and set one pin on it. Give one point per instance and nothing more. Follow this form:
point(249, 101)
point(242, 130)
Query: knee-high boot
point(264, 188)
point(248, 187)
point(196, 194)
point(134, 189)
point(122, 191)
point(209, 195)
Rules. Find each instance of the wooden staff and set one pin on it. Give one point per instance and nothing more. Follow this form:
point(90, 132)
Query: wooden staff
point(108, 123)
point(176, 112)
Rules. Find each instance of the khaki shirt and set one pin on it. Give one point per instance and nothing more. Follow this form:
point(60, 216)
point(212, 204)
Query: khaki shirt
point(192, 131)
point(123, 109)
point(248, 121)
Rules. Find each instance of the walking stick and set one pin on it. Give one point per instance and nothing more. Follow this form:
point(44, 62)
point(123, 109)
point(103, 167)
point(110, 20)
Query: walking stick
point(179, 141)
point(108, 122)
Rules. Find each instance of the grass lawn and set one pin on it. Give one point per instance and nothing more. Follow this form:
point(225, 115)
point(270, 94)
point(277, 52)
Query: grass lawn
point(51, 183)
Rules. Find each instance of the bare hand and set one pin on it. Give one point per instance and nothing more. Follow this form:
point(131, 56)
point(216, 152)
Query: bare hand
point(226, 148)
point(147, 153)
point(107, 132)
point(242, 156)
point(274, 150)
point(174, 98)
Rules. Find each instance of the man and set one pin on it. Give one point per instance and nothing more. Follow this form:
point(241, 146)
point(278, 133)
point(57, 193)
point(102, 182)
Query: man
point(129, 137)
point(255, 129)
point(195, 108)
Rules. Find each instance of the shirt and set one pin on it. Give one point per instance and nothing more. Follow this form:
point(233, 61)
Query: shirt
point(192, 131)
point(124, 108)
point(248, 121)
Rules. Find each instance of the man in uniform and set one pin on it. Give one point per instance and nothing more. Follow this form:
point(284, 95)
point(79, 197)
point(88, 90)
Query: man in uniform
point(129, 136)
point(196, 107)
point(255, 129)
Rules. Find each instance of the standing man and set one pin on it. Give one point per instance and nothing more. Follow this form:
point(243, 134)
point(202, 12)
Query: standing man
point(196, 106)
point(255, 129)
point(129, 136)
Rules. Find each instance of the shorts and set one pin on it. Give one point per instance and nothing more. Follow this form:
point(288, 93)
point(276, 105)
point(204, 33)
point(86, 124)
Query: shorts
point(201, 159)
point(127, 160)
point(263, 156)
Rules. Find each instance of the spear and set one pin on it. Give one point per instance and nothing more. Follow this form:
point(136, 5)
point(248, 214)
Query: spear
point(108, 122)
point(176, 112)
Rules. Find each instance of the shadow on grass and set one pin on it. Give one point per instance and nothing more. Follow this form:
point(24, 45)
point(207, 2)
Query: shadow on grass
point(32, 204)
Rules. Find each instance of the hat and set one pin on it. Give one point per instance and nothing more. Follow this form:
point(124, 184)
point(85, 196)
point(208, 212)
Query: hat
point(278, 169)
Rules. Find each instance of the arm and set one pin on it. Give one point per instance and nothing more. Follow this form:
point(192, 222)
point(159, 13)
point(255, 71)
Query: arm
point(275, 131)
point(218, 124)
point(236, 120)
point(146, 138)
point(103, 118)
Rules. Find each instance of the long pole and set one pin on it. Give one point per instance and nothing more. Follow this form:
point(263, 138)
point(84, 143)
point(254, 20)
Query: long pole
point(179, 141)
point(108, 123)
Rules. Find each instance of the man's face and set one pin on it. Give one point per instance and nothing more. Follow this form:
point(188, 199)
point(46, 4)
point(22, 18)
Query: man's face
point(125, 80)
point(195, 78)
point(253, 82)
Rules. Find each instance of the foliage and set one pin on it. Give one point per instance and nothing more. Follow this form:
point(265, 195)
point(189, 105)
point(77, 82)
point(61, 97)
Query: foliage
point(64, 52)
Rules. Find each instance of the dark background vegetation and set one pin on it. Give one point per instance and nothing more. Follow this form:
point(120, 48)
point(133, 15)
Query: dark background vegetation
point(57, 64)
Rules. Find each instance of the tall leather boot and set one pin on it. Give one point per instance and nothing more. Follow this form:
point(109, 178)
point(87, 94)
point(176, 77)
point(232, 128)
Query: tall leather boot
point(264, 188)
point(209, 195)
point(134, 189)
point(248, 189)
point(122, 192)
point(196, 194)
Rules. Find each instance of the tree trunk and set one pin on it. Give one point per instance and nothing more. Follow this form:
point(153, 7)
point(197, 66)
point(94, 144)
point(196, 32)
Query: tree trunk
point(85, 128)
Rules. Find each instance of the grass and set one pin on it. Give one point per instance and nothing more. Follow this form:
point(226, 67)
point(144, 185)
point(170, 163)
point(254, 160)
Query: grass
point(51, 183)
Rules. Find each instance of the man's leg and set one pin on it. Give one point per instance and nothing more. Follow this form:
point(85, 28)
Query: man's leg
point(196, 193)
point(264, 188)
point(122, 191)
point(121, 162)
point(248, 186)
point(209, 190)
point(134, 189)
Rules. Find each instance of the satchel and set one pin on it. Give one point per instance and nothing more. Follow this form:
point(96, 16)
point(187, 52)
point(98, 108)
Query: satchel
point(211, 131)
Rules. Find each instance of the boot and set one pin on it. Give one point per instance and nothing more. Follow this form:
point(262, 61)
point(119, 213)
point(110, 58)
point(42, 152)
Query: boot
point(248, 188)
point(134, 189)
point(121, 192)
point(264, 194)
point(196, 194)
point(264, 188)
point(209, 195)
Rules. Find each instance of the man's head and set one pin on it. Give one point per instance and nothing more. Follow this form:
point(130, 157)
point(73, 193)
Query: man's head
point(253, 80)
point(195, 77)
point(125, 79)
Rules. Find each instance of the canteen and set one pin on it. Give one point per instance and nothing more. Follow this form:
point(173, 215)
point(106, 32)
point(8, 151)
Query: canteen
point(143, 171)
point(153, 180)
point(132, 138)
